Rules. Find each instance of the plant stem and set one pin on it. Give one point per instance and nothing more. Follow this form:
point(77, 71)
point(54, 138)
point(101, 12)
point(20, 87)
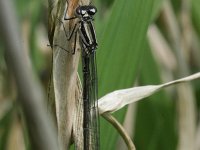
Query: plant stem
point(120, 129)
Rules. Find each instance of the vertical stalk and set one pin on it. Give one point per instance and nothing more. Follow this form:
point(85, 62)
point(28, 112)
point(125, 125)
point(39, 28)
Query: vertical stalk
point(68, 106)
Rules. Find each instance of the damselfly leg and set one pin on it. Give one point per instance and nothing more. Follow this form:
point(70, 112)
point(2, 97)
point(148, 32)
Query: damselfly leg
point(71, 33)
point(69, 37)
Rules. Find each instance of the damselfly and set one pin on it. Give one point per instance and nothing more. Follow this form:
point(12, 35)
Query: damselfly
point(84, 30)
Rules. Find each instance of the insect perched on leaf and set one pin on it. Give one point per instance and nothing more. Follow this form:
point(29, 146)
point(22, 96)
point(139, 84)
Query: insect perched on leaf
point(83, 30)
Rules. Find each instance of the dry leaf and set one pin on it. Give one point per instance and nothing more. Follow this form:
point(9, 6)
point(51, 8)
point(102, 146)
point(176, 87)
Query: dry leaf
point(118, 99)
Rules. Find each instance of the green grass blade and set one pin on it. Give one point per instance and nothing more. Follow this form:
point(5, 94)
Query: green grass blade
point(119, 54)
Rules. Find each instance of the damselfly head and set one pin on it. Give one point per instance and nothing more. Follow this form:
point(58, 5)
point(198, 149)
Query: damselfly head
point(86, 12)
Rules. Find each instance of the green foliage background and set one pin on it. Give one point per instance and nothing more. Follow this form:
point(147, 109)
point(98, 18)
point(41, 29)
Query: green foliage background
point(124, 54)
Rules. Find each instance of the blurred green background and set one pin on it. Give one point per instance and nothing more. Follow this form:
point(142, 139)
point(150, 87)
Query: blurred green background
point(140, 43)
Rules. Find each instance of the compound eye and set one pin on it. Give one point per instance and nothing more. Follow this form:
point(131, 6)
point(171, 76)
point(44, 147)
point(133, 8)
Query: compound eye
point(80, 11)
point(83, 12)
point(92, 10)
